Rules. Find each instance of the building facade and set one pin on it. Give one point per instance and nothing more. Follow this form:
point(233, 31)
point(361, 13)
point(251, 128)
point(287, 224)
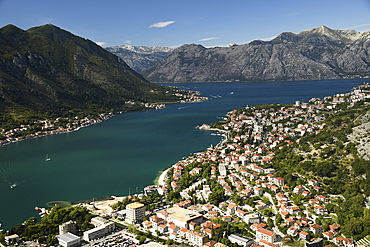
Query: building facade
point(135, 212)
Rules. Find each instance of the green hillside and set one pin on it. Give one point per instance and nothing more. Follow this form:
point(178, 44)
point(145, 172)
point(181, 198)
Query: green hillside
point(46, 71)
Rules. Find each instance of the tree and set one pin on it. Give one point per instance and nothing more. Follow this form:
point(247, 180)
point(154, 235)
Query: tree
point(270, 223)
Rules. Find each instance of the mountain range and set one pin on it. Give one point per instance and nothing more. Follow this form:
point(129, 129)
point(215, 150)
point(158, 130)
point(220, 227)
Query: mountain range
point(140, 57)
point(316, 54)
point(46, 69)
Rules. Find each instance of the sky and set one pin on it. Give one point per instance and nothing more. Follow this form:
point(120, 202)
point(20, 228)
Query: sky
point(173, 23)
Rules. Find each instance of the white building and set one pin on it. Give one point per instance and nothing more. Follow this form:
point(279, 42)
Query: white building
point(240, 240)
point(222, 169)
point(181, 217)
point(68, 240)
point(69, 226)
point(263, 234)
point(12, 239)
point(98, 232)
point(135, 212)
point(196, 238)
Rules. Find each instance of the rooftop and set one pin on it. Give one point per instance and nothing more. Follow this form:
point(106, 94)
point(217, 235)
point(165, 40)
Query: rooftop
point(135, 205)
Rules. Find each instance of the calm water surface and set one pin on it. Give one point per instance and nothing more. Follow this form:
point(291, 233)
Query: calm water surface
point(126, 152)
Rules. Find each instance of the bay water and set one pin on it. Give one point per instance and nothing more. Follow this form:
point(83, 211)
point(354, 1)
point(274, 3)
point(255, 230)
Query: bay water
point(125, 153)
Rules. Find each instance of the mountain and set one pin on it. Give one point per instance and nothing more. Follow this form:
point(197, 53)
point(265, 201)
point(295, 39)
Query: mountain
point(140, 57)
point(317, 54)
point(47, 70)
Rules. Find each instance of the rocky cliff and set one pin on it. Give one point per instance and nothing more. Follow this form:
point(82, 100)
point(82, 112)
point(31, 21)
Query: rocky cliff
point(140, 57)
point(320, 53)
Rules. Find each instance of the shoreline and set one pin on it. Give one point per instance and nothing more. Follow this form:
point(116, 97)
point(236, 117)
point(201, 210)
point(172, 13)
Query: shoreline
point(161, 179)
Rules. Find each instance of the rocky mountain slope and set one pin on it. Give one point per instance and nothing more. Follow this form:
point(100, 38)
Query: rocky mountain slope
point(47, 70)
point(140, 57)
point(320, 53)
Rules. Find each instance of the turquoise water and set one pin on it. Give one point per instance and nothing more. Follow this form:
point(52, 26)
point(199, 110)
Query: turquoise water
point(126, 152)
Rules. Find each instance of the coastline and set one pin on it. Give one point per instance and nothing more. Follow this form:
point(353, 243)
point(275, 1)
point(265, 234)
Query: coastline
point(161, 179)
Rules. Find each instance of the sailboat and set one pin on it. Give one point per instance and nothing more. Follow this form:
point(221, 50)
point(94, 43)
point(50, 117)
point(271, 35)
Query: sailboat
point(47, 158)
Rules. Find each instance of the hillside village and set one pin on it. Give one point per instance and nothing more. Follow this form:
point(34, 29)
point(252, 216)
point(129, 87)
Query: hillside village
point(230, 195)
point(62, 125)
point(241, 168)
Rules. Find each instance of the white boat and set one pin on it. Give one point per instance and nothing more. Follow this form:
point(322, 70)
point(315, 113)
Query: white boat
point(47, 158)
point(13, 185)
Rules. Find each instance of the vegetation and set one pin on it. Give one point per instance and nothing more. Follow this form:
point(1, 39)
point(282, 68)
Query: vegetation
point(47, 72)
point(45, 231)
point(333, 160)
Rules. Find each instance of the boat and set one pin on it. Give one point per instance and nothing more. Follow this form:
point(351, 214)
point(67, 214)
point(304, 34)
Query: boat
point(13, 185)
point(47, 158)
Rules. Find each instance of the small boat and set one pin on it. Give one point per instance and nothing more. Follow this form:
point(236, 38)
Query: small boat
point(13, 185)
point(47, 158)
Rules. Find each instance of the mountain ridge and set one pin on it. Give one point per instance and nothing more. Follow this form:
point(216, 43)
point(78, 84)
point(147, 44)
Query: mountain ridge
point(316, 54)
point(140, 57)
point(46, 70)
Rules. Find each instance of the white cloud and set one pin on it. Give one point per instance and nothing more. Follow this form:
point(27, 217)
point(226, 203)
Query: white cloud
point(161, 24)
point(128, 41)
point(47, 20)
point(207, 39)
point(362, 25)
point(101, 43)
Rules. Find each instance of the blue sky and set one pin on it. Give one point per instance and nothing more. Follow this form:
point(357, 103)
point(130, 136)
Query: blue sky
point(174, 23)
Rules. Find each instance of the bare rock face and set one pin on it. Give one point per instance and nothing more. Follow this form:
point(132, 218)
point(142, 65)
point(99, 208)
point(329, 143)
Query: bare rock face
point(140, 57)
point(317, 54)
point(360, 136)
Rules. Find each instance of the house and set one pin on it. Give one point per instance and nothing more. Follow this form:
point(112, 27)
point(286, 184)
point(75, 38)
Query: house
point(196, 238)
point(231, 208)
point(292, 231)
point(316, 229)
point(155, 220)
point(263, 234)
point(252, 218)
point(320, 210)
point(334, 228)
point(147, 224)
point(172, 228)
point(313, 182)
point(173, 235)
point(258, 191)
point(264, 243)
point(328, 235)
point(183, 204)
point(294, 210)
point(210, 243)
point(182, 232)
point(163, 228)
point(304, 235)
point(279, 181)
point(212, 214)
point(323, 198)
point(298, 189)
point(256, 226)
point(344, 241)
point(240, 213)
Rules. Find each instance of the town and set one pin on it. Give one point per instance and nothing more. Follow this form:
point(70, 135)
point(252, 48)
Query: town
point(229, 194)
point(62, 125)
